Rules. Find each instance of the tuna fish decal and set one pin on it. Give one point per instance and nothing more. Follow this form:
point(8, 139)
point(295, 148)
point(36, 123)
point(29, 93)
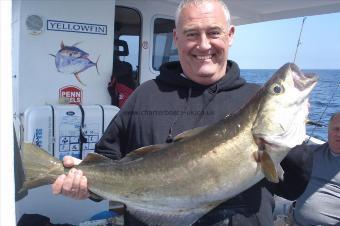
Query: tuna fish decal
point(72, 60)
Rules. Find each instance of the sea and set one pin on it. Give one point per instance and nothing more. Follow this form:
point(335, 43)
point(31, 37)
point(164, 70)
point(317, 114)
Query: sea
point(324, 100)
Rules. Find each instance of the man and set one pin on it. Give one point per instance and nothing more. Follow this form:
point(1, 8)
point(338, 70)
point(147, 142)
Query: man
point(199, 90)
point(320, 202)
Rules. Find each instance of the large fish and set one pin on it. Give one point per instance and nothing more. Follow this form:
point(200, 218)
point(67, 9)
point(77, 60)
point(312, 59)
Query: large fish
point(176, 184)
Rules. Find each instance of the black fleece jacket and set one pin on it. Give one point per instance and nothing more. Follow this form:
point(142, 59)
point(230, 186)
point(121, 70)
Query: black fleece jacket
point(160, 109)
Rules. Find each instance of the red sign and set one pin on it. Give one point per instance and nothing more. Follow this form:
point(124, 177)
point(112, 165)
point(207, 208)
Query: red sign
point(70, 95)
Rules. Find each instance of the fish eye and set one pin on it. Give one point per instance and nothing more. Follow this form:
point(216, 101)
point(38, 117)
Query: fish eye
point(276, 88)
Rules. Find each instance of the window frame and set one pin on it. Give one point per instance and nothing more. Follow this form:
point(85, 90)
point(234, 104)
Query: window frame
point(152, 50)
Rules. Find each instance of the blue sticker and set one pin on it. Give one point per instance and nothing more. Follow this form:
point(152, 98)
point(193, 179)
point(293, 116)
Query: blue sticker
point(38, 137)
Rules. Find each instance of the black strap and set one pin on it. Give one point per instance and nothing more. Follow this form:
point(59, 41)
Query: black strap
point(103, 118)
point(82, 138)
point(53, 138)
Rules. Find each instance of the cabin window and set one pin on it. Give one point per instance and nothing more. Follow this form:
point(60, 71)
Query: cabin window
point(164, 49)
point(127, 36)
point(128, 24)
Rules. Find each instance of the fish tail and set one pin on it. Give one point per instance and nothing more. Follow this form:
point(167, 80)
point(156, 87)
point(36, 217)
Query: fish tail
point(77, 77)
point(97, 64)
point(40, 168)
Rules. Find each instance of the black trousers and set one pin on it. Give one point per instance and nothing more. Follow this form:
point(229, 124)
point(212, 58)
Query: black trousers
point(211, 220)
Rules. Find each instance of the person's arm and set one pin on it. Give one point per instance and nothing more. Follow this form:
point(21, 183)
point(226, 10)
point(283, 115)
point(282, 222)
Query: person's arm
point(109, 143)
point(114, 143)
point(297, 168)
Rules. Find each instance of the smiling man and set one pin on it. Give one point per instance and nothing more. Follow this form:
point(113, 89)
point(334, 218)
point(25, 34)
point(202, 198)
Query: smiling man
point(203, 36)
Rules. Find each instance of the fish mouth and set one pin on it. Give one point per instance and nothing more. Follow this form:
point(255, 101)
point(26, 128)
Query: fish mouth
point(303, 81)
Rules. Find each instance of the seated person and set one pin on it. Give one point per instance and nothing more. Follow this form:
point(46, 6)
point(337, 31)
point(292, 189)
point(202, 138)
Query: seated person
point(122, 82)
point(320, 202)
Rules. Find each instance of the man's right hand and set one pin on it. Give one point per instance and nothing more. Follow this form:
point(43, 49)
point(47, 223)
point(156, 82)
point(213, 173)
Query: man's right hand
point(74, 184)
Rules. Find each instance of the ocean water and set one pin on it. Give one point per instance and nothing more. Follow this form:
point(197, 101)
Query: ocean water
point(324, 100)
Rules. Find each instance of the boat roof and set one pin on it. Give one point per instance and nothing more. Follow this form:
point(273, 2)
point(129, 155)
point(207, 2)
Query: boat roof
point(254, 11)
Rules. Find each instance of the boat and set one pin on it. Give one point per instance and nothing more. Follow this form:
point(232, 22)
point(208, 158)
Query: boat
point(120, 42)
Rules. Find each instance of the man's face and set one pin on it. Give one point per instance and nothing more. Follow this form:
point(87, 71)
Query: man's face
point(334, 134)
point(203, 39)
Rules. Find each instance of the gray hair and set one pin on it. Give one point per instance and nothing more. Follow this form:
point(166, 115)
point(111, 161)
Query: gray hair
point(333, 116)
point(185, 3)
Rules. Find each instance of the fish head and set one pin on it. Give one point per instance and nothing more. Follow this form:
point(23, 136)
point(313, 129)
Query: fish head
point(74, 52)
point(283, 109)
point(71, 51)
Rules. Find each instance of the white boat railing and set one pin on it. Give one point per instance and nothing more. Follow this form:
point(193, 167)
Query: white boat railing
point(314, 140)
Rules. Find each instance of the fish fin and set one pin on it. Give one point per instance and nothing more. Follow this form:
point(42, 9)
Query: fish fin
point(95, 197)
point(257, 156)
point(94, 158)
point(188, 133)
point(141, 152)
point(52, 55)
point(268, 167)
point(167, 217)
point(77, 77)
point(77, 43)
point(62, 46)
point(40, 168)
point(280, 172)
point(96, 64)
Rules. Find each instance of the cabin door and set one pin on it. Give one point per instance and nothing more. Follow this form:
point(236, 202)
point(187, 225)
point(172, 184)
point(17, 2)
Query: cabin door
point(127, 36)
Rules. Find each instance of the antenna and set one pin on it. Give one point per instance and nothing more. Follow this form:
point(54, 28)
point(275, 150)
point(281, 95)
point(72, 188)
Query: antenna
point(299, 41)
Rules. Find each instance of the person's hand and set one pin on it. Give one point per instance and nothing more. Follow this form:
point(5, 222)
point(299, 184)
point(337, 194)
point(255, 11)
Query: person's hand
point(74, 184)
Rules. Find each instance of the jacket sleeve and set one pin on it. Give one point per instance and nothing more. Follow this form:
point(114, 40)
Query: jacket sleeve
point(109, 143)
point(297, 168)
point(115, 138)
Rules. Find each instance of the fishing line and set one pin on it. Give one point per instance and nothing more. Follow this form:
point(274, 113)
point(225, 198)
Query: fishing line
point(318, 124)
point(299, 40)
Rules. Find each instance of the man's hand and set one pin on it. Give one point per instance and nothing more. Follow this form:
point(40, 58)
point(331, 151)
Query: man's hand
point(74, 184)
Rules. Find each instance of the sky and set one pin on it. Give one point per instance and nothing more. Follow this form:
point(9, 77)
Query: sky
point(268, 45)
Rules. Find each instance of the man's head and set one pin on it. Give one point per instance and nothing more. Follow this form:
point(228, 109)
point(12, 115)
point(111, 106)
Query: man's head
point(203, 35)
point(334, 133)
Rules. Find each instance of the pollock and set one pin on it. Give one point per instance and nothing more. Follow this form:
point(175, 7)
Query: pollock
point(177, 183)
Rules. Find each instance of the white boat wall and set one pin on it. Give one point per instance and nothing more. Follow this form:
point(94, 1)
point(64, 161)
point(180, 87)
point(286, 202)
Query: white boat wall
point(63, 53)
point(45, 35)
